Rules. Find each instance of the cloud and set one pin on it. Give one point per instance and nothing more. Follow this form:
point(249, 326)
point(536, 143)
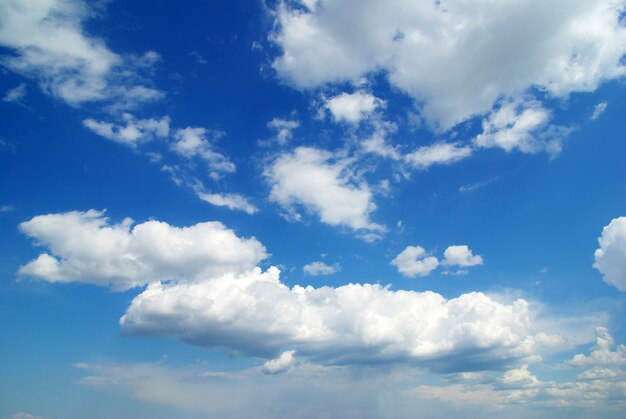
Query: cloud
point(23, 415)
point(256, 314)
point(15, 95)
point(134, 130)
point(281, 364)
point(454, 59)
point(414, 260)
point(352, 107)
point(598, 110)
point(323, 184)
point(522, 125)
point(50, 46)
point(610, 258)
point(86, 247)
point(229, 200)
point(192, 142)
point(473, 186)
point(319, 268)
point(284, 129)
point(601, 354)
point(460, 256)
point(438, 153)
point(377, 143)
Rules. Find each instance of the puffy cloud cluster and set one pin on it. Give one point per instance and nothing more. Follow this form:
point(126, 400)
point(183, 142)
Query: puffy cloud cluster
point(254, 313)
point(323, 184)
point(610, 257)
point(49, 45)
point(415, 261)
point(456, 59)
point(85, 247)
point(280, 364)
point(134, 130)
point(192, 142)
point(438, 153)
point(284, 129)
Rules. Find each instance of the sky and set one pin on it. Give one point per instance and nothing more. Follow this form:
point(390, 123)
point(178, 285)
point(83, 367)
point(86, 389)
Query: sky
point(314, 208)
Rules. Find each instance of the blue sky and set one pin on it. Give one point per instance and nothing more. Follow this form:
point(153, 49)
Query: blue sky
point(312, 209)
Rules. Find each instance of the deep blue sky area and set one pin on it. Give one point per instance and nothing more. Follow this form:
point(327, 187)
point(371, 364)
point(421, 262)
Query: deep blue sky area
point(441, 188)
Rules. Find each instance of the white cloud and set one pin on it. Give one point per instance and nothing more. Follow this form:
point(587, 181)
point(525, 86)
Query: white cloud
point(284, 129)
point(192, 142)
point(602, 354)
point(254, 313)
point(23, 415)
point(134, 130)
point(377, 143)
point(438, 153)
point(414, 261)
point(522, 125)
point(598, 110)
point(280, 364)
point(229, 200)
point(15, 95)
point(352, 107)
point(322, 183)
point(319, 268)
point(470, 187)
point(610, 258)
point(456, 59)
point(460, 256)
point(50, 46)
point(85, 247)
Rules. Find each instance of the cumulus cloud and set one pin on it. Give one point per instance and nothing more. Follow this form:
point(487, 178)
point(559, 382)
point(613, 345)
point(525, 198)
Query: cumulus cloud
point(460, 255)
point(601, 354)
point(15, 95)
point(438, 153)
point(319, 268)
point(414, 261)
point(279, 365)
point(610, 258)
point(49, 45)
point(352, 107)
point(456, 59)
point(323, 184)
point(255, 313)
point(522, 125)
point(284, 129)
point(133, 131)
point(86, 247)
point(229, 200)
point(192, 142)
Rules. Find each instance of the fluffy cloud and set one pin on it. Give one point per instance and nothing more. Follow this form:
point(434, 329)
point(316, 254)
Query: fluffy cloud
point(438, 153)
point(323, 184)
point(602, 354)
point(284, 129)
point(521, 125)
point(610, 258)
point(461, 256)
point(192, 142)
point(280, 364)
point(352, 107)
point(85, 247)
point(229, 200)
point(414, 261)
point(254, 313)
point(134, 130)
point(319, 268)
point(50, 46)
point(454, 58)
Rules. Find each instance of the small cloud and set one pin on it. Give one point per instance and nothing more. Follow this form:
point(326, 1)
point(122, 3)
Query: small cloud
point(24, 415)
point(414, 261)
point(473, 186)
point(461, 256)
point(6, 208)
point(279, 365)
point(320, 268)
point(198, 57)
point(599, 110)
point(284, 129)
point(229, 200)
point(544, 270)
point(15, 95)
